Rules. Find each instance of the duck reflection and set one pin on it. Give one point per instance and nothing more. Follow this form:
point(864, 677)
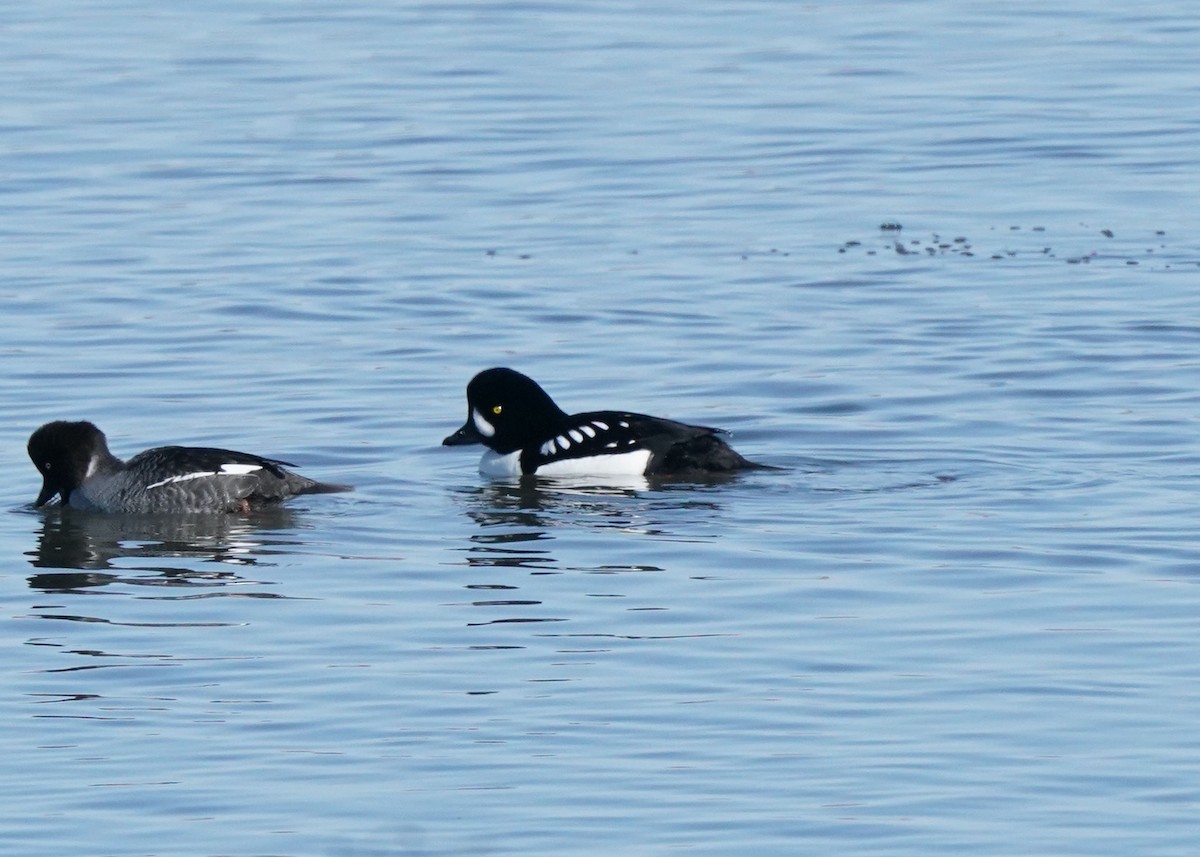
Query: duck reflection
point(511, 550)
point(543, 503)
point(518, 520)
point(90, 549)
point(526, 531)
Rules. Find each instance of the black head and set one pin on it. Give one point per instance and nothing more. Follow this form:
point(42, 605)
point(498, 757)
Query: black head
point(506, 411)
point(63, 452)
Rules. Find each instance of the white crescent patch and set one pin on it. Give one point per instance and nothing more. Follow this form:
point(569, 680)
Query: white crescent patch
point(481, 425)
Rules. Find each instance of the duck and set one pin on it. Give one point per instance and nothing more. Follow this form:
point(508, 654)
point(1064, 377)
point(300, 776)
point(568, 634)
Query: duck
point(78, 469)
point(527, 434)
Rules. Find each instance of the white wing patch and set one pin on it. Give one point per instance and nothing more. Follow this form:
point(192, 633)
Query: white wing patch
point(181, 478)
point(628, 460)
point(229, 469)
point(239, 469)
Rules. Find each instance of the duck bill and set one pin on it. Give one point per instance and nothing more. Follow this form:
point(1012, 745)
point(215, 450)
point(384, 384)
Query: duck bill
point(466, 435)
point(46, 495)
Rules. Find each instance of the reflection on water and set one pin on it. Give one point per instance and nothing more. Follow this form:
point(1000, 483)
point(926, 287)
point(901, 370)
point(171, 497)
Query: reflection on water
point(146, 558)
point(507, 550)
point(523, 530)
point(71, 581)
point(96, 549)
point(520, 500)
point(541, 505)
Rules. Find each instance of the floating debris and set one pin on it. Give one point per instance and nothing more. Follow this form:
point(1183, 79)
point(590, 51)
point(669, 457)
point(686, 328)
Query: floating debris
point(1083, 248)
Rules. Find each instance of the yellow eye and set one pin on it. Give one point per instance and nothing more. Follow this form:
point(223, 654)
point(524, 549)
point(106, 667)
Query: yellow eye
point(496, 409)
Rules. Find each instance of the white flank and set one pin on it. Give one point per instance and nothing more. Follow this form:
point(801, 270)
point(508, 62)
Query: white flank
point(481, 425)
point(631, 463)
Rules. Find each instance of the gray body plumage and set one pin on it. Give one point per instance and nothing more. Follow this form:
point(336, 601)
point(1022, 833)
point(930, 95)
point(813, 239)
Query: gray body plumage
point(77, 466)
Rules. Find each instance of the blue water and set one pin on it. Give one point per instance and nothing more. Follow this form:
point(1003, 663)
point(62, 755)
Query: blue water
point(961, 619)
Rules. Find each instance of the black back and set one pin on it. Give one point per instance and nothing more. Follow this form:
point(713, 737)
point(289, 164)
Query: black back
point(522, 416)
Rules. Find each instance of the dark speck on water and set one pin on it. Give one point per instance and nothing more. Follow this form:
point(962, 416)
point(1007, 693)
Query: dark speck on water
point(962, 246)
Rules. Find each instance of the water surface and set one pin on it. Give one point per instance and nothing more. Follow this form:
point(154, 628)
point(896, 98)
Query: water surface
point(960, 619)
